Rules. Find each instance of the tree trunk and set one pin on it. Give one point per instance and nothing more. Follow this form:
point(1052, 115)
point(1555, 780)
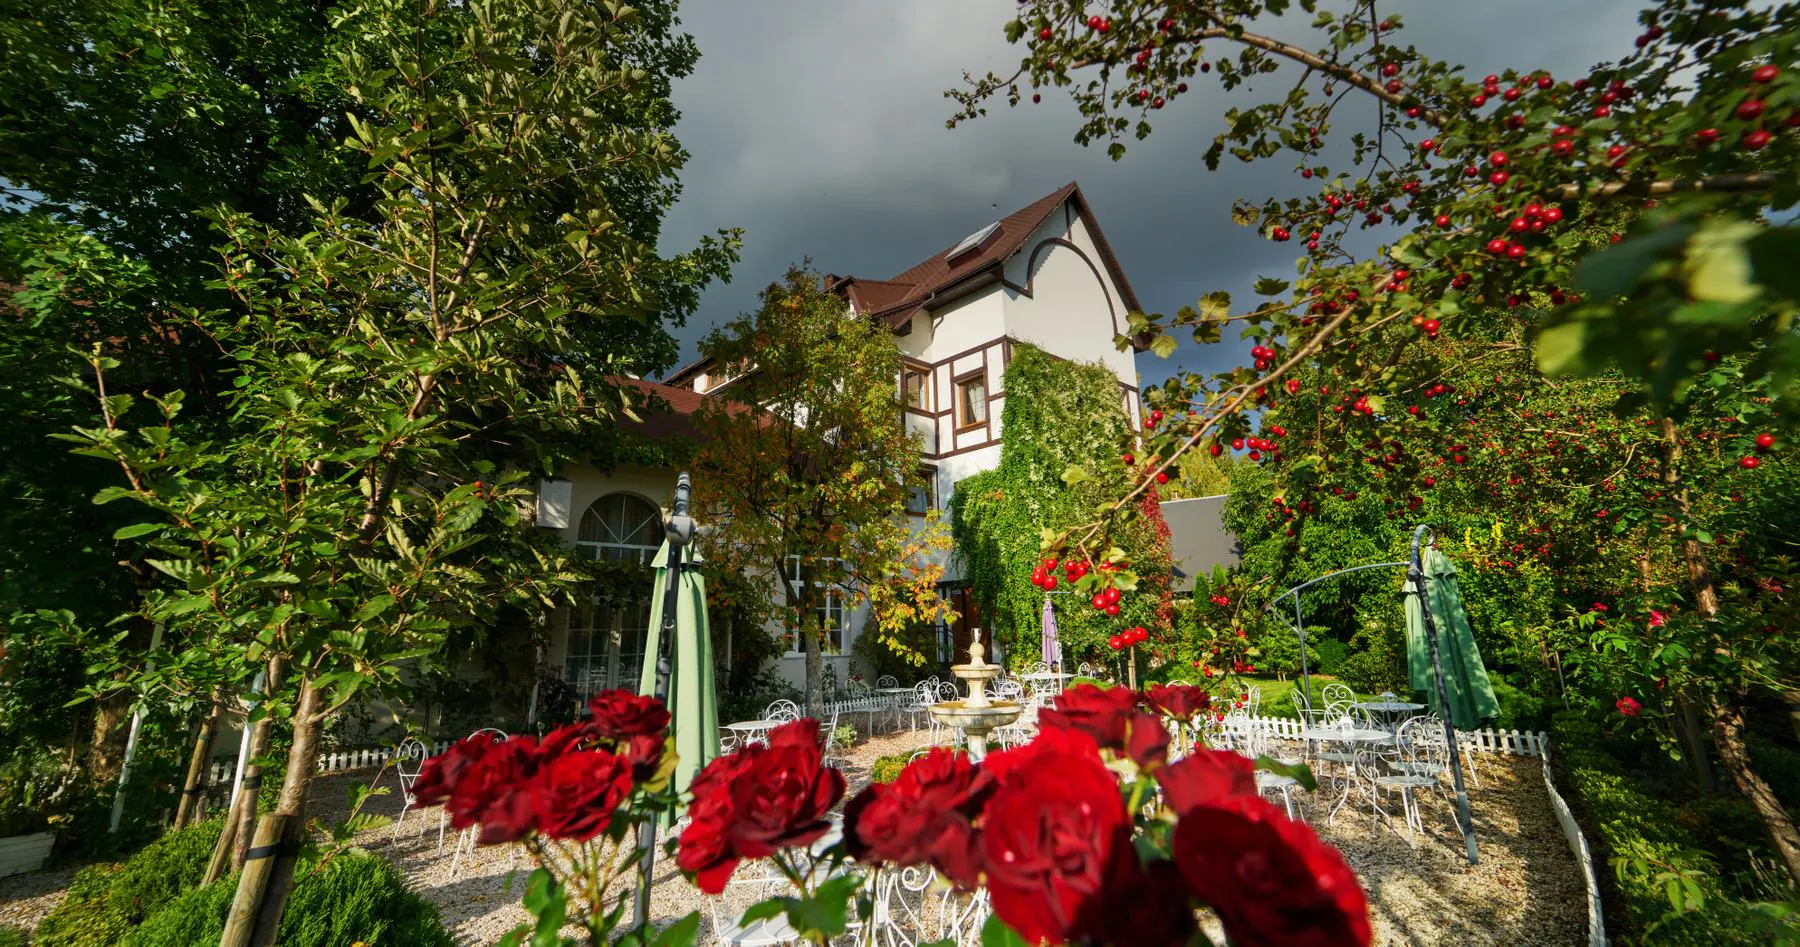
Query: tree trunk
point(256, 910)
point(1728, 736)
point(815, 666)
point(195, 784)
point(106, 750)
point(1693, 740)
point(1727, 721)
point(1792, 699)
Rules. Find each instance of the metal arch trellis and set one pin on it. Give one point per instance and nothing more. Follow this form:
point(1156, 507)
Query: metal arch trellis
point(1415, 576)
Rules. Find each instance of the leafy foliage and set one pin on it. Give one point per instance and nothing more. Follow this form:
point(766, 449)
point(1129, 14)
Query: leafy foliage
point(1060, 418)
point(806, 469)
point(353, 897)
point(106, 901)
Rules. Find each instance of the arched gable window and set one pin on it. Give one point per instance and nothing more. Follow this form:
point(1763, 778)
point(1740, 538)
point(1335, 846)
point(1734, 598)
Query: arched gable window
point(620, 526)
point(606, 641)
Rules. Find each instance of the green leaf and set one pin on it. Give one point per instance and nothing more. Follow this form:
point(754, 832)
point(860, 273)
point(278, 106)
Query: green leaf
point(764, 910)
point(137, 529)
point(827, 912)
point(1164, 345)
point(1615, 270)
point(1559, 348)
point(1270, 286)
point(1215, 305)
point(995, 933)
point(1718, 259)
point(1075, 474)
point(1299, 772)
point(682, 933)
point(1772, 256)
point(372, 608)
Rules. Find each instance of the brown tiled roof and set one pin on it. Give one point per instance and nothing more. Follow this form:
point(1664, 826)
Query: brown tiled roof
point(895, 300)
point(667, 411)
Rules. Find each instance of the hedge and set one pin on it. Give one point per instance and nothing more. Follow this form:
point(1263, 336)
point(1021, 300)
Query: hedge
point(355, 897)
point(106, 901)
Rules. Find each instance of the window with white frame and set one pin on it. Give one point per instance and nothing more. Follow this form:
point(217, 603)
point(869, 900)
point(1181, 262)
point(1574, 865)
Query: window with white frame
point(606, 640)
point(830, 612)
point(620, 526)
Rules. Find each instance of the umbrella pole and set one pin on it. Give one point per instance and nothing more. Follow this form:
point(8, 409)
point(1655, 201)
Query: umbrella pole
point(1300, 632)
point(1415, 573)
point(680, 532)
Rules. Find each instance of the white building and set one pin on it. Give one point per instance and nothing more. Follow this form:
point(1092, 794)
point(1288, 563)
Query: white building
point(1043, 275)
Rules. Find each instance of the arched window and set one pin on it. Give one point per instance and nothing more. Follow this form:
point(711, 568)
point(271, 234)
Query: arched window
point(620, 526)
point(606, 641)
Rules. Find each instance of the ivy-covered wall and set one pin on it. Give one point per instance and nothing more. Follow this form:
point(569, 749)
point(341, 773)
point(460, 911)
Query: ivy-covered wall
point(1058, 413)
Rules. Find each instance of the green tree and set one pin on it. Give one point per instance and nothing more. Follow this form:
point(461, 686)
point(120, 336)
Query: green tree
point(1613, 226)
point(397, 376)
point(806, 470)
point(124, 129)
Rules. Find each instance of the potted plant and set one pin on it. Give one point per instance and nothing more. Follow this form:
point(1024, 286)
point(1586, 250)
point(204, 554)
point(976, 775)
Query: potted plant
point(35, 786)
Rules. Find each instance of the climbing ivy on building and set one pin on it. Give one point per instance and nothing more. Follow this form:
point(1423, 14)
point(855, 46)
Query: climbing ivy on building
point(1058, 413)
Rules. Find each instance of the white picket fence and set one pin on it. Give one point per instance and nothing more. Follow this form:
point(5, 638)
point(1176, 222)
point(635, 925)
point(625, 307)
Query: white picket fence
point(339, 761)
point(1506, 742)
point(1584, 857)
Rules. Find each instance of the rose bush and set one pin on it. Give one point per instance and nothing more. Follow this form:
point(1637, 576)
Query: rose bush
point(1088, 834)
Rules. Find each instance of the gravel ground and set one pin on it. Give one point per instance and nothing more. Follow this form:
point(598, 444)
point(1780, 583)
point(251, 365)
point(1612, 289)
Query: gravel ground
point(1526, 889)
point(25, 900)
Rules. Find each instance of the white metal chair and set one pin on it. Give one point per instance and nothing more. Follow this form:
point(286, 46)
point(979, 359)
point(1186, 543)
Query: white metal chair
point(887, 680)
point(923, 696)
point(465, 840)
point(1255, 740)
point(784, 711)
point(409, 760)
point(739, 895)
point(828, 740)
point(1413, 761)
point(1337, 692)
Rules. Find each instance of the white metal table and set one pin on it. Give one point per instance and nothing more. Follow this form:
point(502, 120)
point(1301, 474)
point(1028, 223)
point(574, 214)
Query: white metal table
point(751, 731)
point(1055, 679)
point(1391, 713)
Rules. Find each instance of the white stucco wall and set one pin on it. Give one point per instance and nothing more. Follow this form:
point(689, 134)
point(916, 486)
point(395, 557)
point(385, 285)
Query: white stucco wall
point(1074, 309)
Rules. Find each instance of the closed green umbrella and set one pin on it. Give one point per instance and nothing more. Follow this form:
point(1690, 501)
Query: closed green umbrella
point(1471, 697)
point(693, 703)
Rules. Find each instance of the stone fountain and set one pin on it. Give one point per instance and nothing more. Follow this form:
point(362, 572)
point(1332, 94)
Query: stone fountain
point(976, 716)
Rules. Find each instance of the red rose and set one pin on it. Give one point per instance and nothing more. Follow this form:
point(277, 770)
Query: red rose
point(1151, 910)
point(1055, 838)
point(619, 715)
point(924, 815)
point(1270, 879)
point(757, 802)
point(577, 793)
point(1103, 713)
point(1148, 742)
point(1178, 701)
point(440, 774)
point(1629, 706)
point(1207, 778)
point(644, 753)
point(493, 792)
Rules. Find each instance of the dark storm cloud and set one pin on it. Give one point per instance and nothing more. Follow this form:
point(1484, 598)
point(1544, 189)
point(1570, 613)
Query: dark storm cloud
point(818, 127)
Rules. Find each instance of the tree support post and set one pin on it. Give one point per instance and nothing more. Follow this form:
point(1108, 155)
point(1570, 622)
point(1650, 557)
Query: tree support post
point(131, 741)
point(195, 784)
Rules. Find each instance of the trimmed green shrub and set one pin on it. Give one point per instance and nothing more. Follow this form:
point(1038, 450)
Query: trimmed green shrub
point(1628, 824)
point(887, 768)
point(1078, 679)
point(11, 936)
point(1330, 652)
point(356, 896)
point(1518, 710)
point(105, 901)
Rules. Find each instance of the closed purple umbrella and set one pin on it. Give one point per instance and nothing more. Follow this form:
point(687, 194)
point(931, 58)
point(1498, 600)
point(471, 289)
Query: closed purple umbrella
point(1052, 647)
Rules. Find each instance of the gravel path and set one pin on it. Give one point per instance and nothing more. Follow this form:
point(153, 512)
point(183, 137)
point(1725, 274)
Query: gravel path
point(1526, 889)
point(25, 900)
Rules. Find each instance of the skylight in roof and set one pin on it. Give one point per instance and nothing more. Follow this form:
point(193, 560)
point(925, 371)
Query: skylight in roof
point(973, 241)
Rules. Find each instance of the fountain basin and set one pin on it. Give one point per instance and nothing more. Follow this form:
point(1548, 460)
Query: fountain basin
point(959, 714)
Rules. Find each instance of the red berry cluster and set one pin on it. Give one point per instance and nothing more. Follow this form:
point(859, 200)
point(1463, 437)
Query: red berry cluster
point(1132, 636)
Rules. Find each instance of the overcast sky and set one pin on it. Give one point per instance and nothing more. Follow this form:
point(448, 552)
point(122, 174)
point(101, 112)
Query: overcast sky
point(818, 127)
